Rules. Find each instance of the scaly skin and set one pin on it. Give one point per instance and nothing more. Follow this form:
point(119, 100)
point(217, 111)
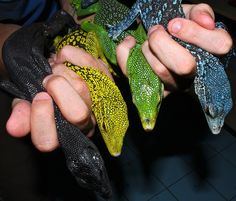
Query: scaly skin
point(148, 101)
point(147, 85)
point(108, 105)
point(211, 83)
point(27, 66)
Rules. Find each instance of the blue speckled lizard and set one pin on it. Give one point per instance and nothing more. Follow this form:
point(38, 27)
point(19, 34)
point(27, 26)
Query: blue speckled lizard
point(211, 83)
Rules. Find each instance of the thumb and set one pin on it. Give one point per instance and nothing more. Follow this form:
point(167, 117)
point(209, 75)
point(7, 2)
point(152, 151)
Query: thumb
point(18, 124)
point(203, 15)
point(122, 52)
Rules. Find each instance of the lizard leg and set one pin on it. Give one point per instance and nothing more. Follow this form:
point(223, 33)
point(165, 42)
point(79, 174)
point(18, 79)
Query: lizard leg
point(115, 30)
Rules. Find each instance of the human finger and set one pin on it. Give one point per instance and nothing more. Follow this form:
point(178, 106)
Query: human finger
point(216, 41)
point(80, 57)
point(43, 127)
point(68, 100)
point(82, 89)
point(74, 80)
point(122, 52)
point(201, 13)
point(164, 47)
point(18, 124)
point(160, 69)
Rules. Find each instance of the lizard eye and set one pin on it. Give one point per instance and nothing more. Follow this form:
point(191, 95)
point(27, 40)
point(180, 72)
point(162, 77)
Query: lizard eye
point(104, 126)
point(207, 111)
point(212, 111)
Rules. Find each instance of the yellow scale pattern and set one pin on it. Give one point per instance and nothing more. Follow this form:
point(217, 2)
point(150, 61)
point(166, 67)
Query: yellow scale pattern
point(108, 105)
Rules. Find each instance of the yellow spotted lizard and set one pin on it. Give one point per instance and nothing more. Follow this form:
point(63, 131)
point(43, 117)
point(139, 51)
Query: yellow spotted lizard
point(108, 105)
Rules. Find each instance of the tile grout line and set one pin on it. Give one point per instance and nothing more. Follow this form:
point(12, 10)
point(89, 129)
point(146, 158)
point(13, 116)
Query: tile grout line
point(228, 161)
point(216, 190)
point(157, 194)
point(166, 188)
point(172, 194)
point(217, 151)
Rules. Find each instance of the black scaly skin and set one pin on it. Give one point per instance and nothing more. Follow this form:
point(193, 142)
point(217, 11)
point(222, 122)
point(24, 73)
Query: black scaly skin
point(24, 58)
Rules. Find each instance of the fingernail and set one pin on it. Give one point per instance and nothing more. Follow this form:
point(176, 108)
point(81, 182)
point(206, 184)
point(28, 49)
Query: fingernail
point(42, 96)
point(176, 26)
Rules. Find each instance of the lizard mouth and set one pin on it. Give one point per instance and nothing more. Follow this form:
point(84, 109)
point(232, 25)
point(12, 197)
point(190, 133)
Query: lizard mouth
point(148, 124)
point(215, 124)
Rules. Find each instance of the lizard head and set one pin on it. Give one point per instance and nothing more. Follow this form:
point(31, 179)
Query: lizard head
point(215, 116)
point(146, 88)
point(89, 171)
point(147, 99)
point(148, 112)
point(114, 126)
point(59, 22)
point(214, 93)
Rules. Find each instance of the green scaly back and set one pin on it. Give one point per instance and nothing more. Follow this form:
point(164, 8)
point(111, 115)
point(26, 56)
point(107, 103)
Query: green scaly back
point(108, 105)
point(146, 87)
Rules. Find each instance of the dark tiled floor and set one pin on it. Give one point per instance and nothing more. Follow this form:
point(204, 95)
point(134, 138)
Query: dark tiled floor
point(180, 161)
point(182, 176)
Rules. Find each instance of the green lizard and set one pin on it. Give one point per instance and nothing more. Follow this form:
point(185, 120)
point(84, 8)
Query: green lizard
point(146, 87)
point(108, 105)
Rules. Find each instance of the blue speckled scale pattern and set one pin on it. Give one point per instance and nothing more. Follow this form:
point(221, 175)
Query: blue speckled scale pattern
point(211, 82)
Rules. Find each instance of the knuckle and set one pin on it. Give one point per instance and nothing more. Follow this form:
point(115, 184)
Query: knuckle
point(204, 7)
point(161, 71)
point(81, 88)
point(82, 118)
point(155, 36)
point(120, 47)
point(64, 51)
point(223, 45)
point(158, 38)
point(187, 67)
point(145, 46)
point(53, 80)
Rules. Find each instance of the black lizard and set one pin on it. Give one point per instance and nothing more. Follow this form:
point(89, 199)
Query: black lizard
point(24, 57)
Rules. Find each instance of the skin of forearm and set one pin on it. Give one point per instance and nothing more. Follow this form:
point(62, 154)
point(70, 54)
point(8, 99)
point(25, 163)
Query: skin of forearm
point(5, 31)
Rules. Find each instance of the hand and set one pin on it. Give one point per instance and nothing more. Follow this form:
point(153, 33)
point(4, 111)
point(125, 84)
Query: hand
point(197, 28)
point(69, 92)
